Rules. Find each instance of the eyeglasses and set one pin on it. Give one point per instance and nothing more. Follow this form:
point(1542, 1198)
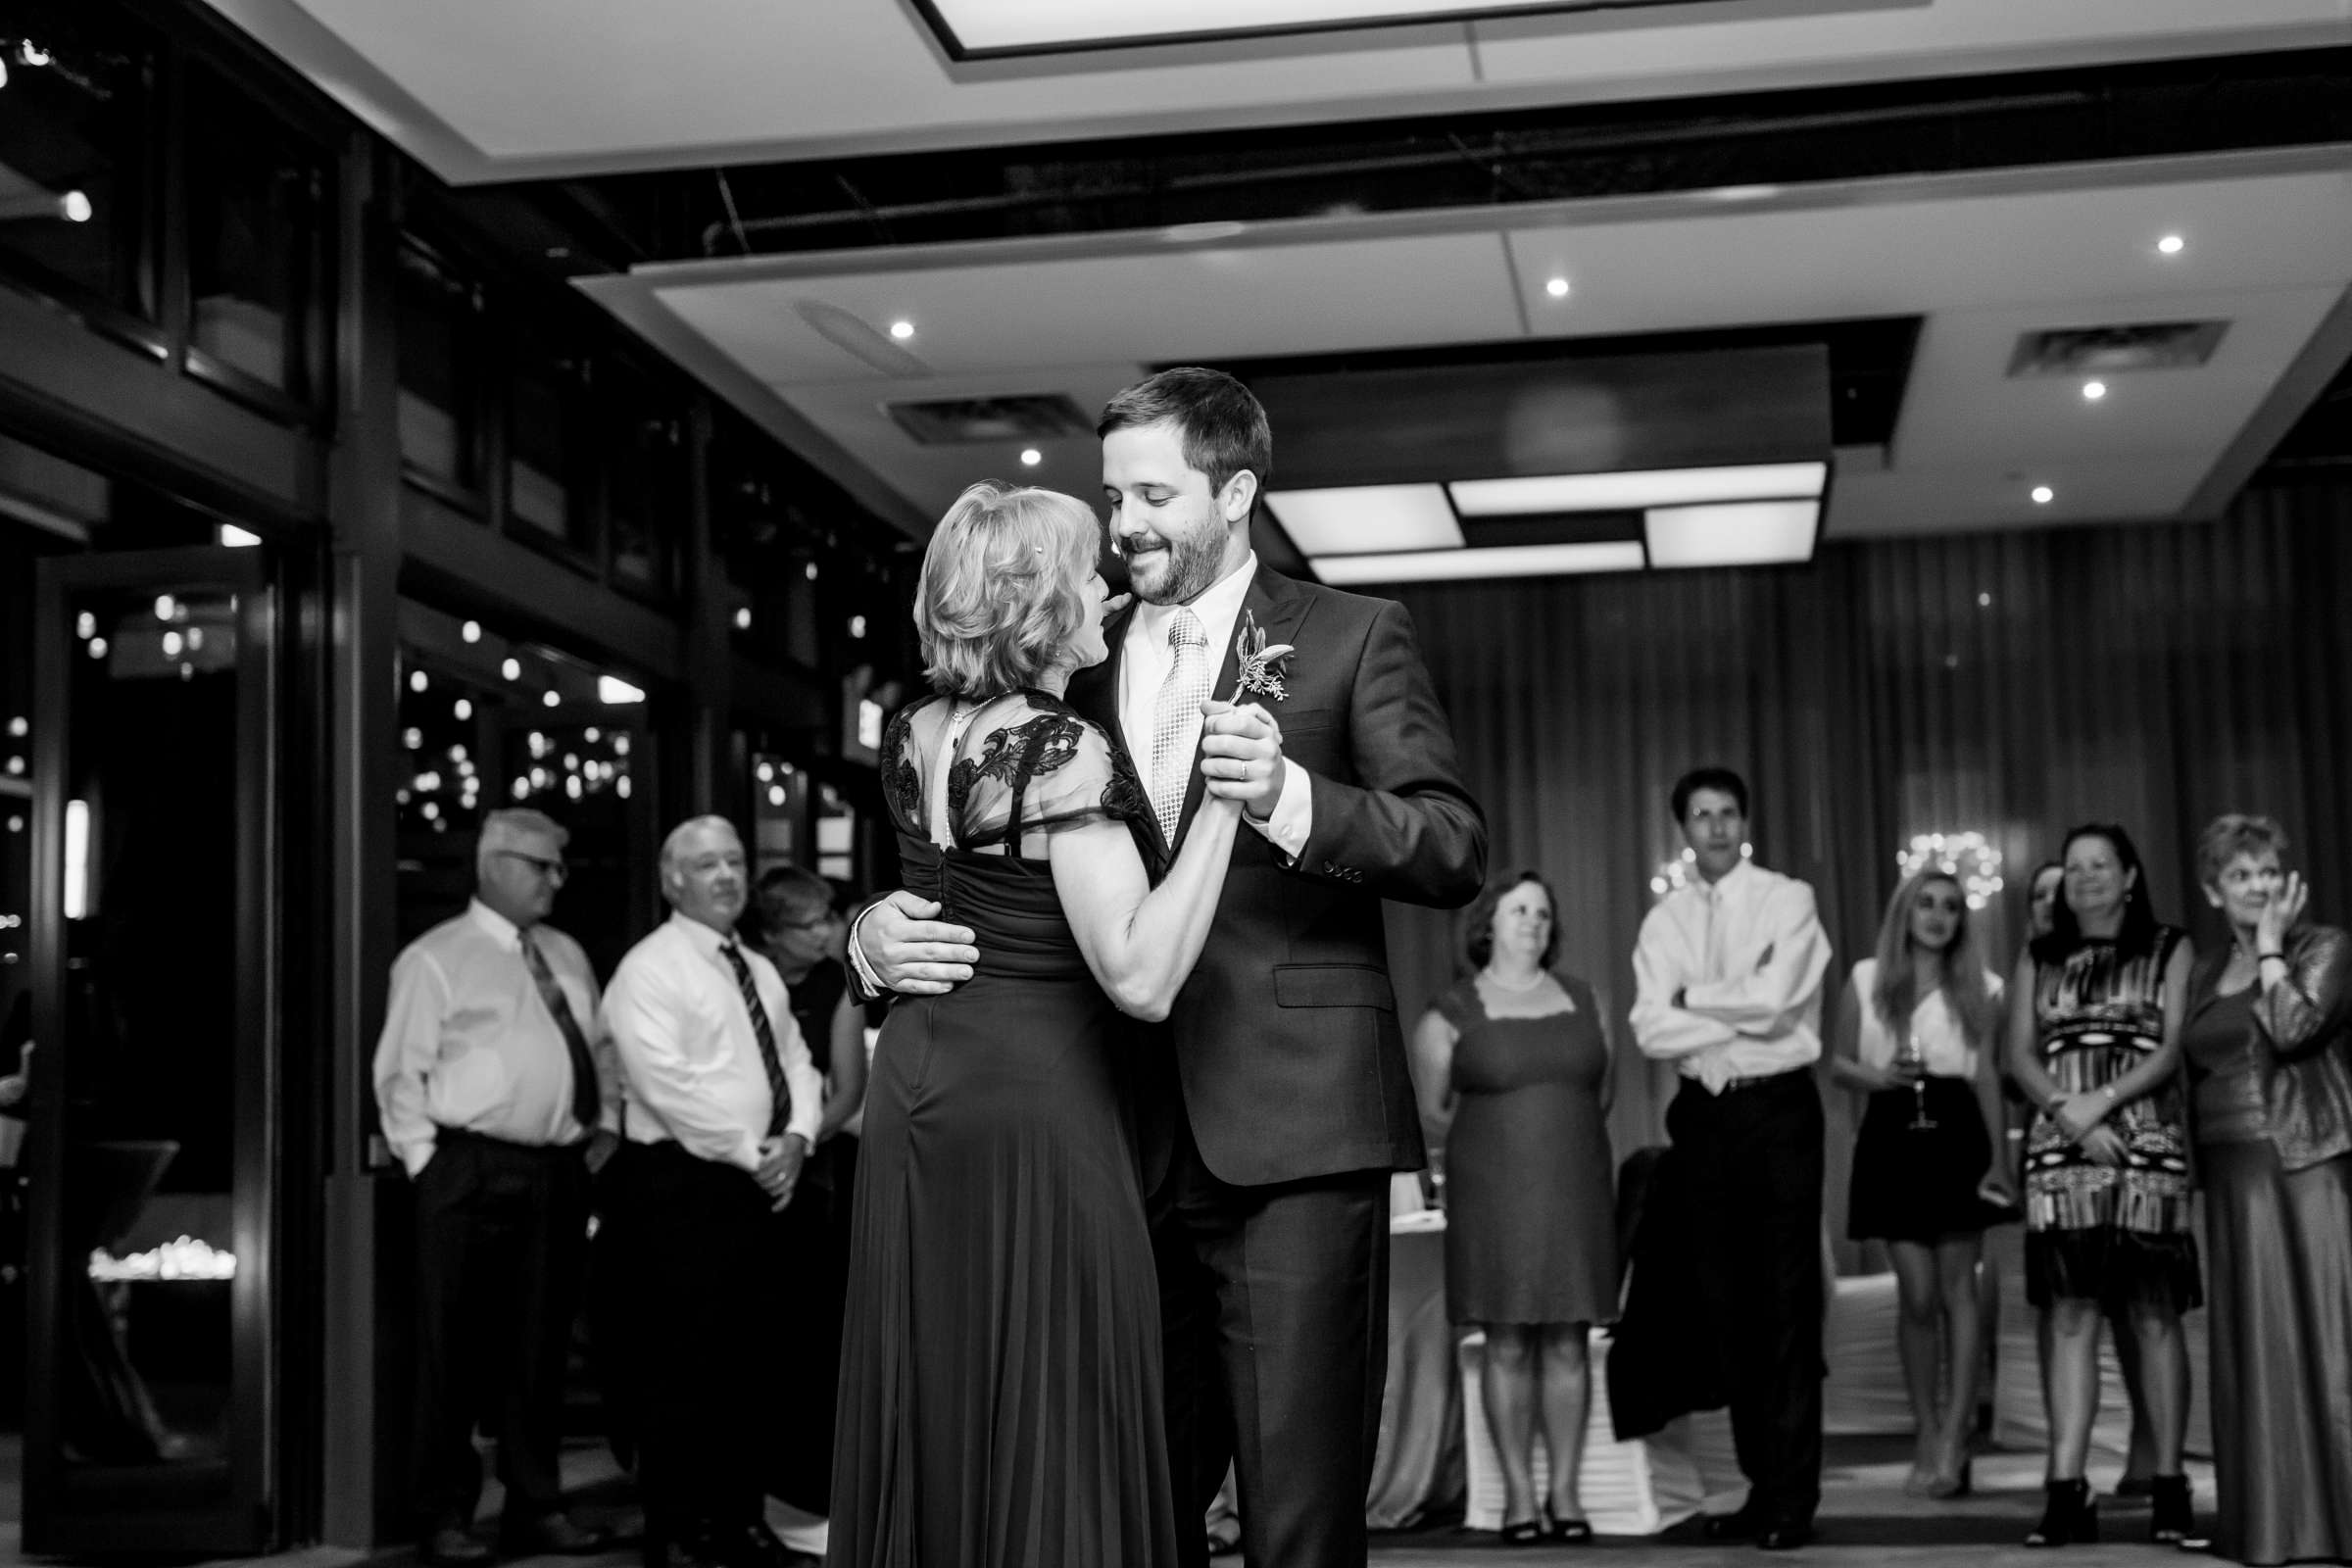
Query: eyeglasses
point(554, 871)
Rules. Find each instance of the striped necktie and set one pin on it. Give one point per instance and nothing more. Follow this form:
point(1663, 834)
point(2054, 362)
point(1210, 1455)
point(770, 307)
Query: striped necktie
point(585, 1104)
point(779, 1092)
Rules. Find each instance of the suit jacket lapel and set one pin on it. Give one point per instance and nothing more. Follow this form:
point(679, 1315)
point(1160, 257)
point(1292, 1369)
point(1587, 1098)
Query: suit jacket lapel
point(1276, 602)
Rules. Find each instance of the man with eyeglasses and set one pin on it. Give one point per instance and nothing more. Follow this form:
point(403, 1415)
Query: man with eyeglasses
point(487, 1087)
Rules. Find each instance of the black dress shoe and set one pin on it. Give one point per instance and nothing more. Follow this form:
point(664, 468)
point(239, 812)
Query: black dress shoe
point(754, 1546)
point(1786, 1536)
point(552, 1536)
point(451, 1547)
point(1737, 1524)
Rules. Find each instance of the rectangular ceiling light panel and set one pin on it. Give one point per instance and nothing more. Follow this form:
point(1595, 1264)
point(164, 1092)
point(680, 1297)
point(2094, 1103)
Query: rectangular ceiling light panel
point(976, 29)
point(1364, 519)
point(1633, 491)
point(1748, 533)
point(1508, 561)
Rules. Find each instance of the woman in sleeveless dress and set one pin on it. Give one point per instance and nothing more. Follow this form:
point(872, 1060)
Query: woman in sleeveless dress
point(1000, 1382)
point(2095, 1040)
point(1918, 1031)
point(1512, 1068)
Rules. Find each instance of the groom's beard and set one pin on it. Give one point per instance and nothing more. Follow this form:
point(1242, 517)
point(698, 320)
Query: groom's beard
point(1180, 571)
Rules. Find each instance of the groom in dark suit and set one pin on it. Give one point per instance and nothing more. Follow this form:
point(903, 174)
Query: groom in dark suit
point(1276, 1099)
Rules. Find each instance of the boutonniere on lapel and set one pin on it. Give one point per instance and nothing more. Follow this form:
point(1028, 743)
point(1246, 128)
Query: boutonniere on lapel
point(1260, 672)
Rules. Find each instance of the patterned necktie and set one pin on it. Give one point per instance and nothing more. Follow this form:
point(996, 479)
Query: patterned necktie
point(585, 1105)
point(779, 1092)
point(1181, 694)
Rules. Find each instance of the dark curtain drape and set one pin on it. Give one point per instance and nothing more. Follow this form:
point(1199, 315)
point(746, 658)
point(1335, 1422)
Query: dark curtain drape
point(2013, 684)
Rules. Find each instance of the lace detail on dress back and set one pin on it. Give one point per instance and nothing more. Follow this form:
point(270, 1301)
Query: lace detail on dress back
point(1024, 767)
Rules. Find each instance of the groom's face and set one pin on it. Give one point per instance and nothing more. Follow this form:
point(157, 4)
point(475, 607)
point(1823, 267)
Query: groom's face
point(1173, 530)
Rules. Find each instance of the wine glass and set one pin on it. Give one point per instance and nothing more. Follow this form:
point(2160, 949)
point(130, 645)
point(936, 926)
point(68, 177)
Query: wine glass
point(1917, 1055)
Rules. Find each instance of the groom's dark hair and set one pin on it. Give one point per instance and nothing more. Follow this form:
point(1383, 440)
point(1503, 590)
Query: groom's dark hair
point(1224, 428)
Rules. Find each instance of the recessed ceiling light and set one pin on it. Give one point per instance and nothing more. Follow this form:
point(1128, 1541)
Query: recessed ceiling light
point(902, 330)
point(2044, 495)
point(1367, 520)
point(1031, 456)
point(2093, 391)
point(1557, 288)
point(1501, 560)
point(1630, 491)
point(2171, 244)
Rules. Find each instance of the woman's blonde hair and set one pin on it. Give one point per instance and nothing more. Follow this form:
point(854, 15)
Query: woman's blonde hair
point(1896, 994)
point(1000, 594)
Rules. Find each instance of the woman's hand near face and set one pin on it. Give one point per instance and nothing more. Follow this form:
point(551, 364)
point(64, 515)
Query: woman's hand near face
point(2279, 914)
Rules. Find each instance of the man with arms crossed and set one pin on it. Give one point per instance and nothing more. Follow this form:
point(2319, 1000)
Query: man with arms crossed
point(1726, 975)
point(1275, 1100)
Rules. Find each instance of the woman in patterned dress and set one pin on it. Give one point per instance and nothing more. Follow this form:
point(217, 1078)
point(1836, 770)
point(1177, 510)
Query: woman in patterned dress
point(2095, 1040)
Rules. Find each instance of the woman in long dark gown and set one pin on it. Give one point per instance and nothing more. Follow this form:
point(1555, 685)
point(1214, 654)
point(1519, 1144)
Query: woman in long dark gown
point(2269, 1041)
point(1000, 1381)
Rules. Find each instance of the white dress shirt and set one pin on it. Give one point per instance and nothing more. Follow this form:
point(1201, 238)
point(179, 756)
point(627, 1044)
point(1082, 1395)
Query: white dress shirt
point(1144, 666)
point(690, 1062)
point(1747, 953)
point(1935, 1024)
point(468, 1042)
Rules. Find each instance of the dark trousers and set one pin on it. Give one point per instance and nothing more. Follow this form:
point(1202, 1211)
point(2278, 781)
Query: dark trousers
point(707, 1323)
point(1274, 1309)
point(1753, 1160)
point(502, 1241)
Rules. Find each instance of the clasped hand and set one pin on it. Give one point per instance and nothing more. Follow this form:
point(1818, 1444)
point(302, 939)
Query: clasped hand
point(779, 1169)
point(1240, 756)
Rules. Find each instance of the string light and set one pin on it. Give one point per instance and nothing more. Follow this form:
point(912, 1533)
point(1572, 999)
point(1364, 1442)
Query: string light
point(1968, 858)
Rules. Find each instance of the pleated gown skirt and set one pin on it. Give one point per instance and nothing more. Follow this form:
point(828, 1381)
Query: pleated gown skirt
point(2281, 1316)
point(1000, 1356)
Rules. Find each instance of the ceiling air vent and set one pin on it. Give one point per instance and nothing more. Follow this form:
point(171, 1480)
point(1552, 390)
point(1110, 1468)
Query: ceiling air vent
point(2111, 350)
point(961, 421)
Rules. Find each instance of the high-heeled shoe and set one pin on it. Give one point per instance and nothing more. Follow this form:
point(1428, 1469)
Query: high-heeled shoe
point(2071, 1515)
point(2173, 1514)
point(1959, 1484)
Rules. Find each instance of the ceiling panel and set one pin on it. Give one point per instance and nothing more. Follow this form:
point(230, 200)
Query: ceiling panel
point(1737, 265)
point(1980, 261)
point(545, 88)
point(1987, 491)
point(1961, 405)
point(1165, 304)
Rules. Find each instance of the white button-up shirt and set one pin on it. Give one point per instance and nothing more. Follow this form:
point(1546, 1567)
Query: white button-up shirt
point(1946, 1046)
point(1144, 663)
point(1747, 953)
point(690, 1062)
point(468, 1043)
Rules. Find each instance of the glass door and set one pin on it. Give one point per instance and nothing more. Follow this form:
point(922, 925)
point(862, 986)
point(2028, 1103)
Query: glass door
point(152, 1143)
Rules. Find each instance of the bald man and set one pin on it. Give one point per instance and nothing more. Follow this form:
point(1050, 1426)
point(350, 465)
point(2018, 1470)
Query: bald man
point(723, 1103)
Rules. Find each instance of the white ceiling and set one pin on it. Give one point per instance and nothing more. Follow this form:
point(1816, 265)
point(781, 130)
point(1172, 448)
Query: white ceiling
point(1982, 257)
point(520, 89)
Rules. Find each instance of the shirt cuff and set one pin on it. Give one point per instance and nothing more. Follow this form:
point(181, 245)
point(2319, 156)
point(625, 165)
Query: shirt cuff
point(1293, 815)
point(863, 971)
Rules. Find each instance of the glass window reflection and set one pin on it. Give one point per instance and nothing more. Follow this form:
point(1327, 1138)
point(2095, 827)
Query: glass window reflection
point(75, 186)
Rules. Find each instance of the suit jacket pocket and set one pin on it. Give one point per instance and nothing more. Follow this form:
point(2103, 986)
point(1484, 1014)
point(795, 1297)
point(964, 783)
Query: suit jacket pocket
point(1332, 985)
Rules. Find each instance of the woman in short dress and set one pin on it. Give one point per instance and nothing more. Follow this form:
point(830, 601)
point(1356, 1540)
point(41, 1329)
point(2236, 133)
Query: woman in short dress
point(1512, 1067)
point(2269, 1042)
point(2095, 1028)
point(1917, 1030)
